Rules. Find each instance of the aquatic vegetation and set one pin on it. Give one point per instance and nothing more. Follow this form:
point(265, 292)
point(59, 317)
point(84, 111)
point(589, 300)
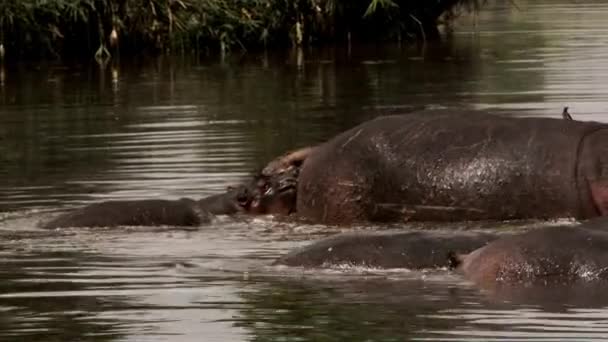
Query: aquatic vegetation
point(67, 27)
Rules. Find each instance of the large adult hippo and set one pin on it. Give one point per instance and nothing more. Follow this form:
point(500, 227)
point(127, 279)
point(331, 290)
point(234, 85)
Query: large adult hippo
point(254, 197)
point(445, 165)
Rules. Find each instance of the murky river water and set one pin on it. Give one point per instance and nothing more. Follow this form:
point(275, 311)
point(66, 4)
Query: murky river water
point(174, 128)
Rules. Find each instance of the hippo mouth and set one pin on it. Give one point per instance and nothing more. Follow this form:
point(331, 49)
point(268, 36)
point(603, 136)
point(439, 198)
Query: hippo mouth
point(283, 190)
point(275, 195)
point(284, 186)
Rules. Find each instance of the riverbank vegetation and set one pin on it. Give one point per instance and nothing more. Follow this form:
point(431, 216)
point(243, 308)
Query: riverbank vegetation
point(56, 28)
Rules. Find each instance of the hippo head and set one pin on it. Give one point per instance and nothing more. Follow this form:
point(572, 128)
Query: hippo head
point(275, 186)
point(274, 194)
point(261, 195)
point(273, 189)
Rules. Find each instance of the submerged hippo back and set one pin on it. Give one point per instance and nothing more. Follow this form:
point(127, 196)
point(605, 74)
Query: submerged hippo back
point(440, 165)
point(152, 212)
point(394, 249)
point(547, 255)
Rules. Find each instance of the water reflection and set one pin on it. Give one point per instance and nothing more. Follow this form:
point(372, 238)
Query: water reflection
point(83, 285)
point(174, 127)
point(392, 307)
point(63, 134)
point(527, 324)
point(353, 309)
point(42, 318)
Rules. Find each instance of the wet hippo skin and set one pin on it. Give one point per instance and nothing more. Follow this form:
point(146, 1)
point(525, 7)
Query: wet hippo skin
point(154, 212)
point(409, 249)
point(566, 254)
point(254, 197)
point(450, 165)
point(569, 254)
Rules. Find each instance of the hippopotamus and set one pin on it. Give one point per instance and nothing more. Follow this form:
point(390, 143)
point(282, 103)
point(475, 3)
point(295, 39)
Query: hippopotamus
point(564, 254)
point(152, 212)
point(560, 255)
point(441, 165)
point(388, 249)
point(531, 268)
point(255, 197)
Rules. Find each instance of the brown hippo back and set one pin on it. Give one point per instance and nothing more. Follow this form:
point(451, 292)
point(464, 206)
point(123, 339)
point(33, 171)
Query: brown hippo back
point(440, 165)
point(548, 255)
point(388, 249)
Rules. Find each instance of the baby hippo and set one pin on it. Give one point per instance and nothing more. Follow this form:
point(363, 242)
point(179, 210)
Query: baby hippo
point(155, 212)
point(263, 195)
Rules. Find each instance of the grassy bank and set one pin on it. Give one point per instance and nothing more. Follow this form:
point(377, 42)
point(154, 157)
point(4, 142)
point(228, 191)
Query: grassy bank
point(56, 28)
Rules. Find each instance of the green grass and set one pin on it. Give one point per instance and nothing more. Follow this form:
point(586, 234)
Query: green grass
point(54, 28)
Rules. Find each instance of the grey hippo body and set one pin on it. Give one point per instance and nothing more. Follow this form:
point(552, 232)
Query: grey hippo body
point(402, 249)
point(558, 255)
point(566, 254)
point(253, 197)
point(154, 212)
point(451, 166)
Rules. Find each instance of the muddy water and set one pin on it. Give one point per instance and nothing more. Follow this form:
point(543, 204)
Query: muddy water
point(170, 128)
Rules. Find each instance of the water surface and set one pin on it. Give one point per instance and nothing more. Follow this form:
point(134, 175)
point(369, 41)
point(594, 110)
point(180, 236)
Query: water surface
point(189, 127)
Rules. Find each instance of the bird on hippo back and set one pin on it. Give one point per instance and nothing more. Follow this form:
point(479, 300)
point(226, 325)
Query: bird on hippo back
point(446, 165)
point(563, 255)
point(431, 165)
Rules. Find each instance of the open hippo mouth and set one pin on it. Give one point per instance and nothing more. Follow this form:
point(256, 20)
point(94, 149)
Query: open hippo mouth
point(275, 194)
point(284, 186)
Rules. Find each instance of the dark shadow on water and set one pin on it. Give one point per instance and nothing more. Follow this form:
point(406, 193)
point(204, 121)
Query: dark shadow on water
point(354, 310)
point(370, 308)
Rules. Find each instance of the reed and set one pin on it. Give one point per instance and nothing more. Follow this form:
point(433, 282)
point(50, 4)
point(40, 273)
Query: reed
point(102, 27)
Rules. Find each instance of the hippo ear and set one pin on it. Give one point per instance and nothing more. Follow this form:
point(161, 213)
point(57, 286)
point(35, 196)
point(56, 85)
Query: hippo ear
point(297, 158)
point(291, 159)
